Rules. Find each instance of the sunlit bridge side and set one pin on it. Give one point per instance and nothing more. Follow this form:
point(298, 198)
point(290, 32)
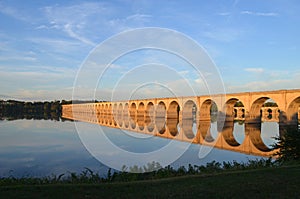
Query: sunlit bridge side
point(205, 120)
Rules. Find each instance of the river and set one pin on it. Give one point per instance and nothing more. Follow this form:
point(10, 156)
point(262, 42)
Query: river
point(46, 147)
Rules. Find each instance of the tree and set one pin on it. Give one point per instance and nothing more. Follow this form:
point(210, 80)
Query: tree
point(288, 145)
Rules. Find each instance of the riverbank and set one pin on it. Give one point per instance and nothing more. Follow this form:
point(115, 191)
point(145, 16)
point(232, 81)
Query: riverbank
point(274, 182)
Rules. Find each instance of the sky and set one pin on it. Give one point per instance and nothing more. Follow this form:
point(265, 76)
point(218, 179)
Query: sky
point(254, 45)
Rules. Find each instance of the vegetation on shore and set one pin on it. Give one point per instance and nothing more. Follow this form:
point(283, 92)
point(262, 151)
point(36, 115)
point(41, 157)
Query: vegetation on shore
point(289, 146)
point(136, 173)
point(272, 182)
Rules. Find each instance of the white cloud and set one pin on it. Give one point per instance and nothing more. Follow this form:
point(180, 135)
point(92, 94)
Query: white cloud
point(75, 20)
point(224, 13)
point(57, 45)
point(17, 58)
point(263, 14)
point(71, 33)
point(184, 72)
point(139, 17)
point(288, 81)
point(36, 82)
point(223, 34)
point(254, 70)
point(15, 13)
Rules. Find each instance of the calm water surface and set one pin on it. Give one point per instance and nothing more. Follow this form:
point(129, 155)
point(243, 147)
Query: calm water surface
point(45, 147)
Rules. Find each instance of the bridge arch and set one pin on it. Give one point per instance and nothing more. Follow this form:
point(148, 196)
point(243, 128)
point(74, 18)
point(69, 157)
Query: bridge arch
point(150, 110)
point(150, 117)
point(173, 117)
point(161, 110)
point(256, 112)
point(140, 116)
point(208, 110)
point(160, 119)
point(132, 110)
point(234, 109)
point(173, 110)
point(102, 109)
point(189, 110)
point(106, 114)
point(293, 111)
point(141, 110)
point(114, 112)
point(126, 115)
point(132, 114)
point(111, 119)
point(120, 115)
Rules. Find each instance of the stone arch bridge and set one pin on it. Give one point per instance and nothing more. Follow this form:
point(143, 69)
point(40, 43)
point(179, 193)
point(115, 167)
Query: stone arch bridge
point(178, 117)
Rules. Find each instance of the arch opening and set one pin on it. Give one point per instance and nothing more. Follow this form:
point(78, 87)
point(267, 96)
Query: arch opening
point(189, 123)
point(173, 118)
point(141, 110)
point(126, 115)
point(234, 112)
point(149, 117)
point(160, 118)
point(120, 115)
point(260, 111)
point(173, 110)
point(208, 120)
point(293, 112)
point(160, 110)
point(140, 116)
point(264, 117)
point(209, 111)
point(150, 110)
point(254, 132)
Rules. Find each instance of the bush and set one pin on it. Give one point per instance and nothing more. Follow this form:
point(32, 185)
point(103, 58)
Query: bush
point(288, 145)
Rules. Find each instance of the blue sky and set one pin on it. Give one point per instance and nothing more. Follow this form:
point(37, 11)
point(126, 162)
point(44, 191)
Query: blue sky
point(254, 43)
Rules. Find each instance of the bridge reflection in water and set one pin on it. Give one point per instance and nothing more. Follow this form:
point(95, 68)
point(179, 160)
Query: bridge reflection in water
point(188, 130)
point(190, 118)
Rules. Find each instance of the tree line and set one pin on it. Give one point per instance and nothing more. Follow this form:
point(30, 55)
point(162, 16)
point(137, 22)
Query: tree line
point(14, 109)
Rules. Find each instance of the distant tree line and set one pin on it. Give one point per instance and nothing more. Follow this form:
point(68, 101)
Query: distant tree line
point(13, 109)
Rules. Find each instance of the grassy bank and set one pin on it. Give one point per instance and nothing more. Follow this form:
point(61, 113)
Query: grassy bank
point(276, 182)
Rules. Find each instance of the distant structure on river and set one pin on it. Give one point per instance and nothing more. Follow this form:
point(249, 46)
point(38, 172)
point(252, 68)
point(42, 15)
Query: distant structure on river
point(178, 117)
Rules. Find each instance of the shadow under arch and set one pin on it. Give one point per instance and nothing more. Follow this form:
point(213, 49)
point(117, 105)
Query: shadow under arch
point(106, 112)
point(204, 129)
point(120, 115)
point(292, 113)
point(188, 128)
point(126, 115)
point(227, 133)
point(189, 110)
point(254, 132)
point(160, 117)
point(233, 110)
point(173, 110)
point(140, 116)
point(189, 114)
point(208, 111)
point(150, 117)
point(132, 115)
point(173, 118)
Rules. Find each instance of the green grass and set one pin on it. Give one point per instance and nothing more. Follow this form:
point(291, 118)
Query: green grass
point(276, 182)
